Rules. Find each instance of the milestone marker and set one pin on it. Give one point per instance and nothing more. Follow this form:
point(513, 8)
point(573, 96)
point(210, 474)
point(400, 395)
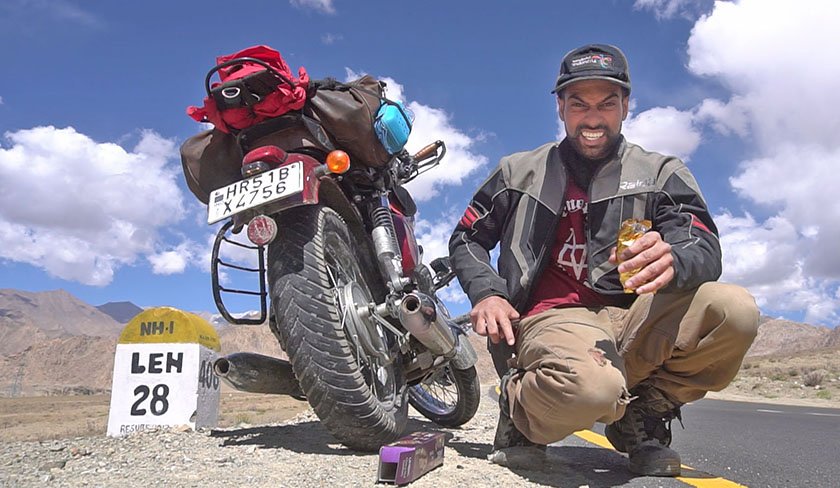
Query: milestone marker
point(163, 373)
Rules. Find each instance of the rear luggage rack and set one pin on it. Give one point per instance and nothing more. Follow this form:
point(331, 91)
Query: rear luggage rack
point(218, 289)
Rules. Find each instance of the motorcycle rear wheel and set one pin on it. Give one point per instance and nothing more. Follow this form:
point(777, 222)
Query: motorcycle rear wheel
point(449, 398)
point(360, 400)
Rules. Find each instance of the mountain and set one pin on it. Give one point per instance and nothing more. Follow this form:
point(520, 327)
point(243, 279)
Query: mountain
point(28, 318)
point(53, 343)
point(779, 336)
point(122, 312)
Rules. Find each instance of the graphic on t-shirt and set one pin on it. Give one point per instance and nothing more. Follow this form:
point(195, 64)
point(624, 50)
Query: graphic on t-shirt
point(572, 256)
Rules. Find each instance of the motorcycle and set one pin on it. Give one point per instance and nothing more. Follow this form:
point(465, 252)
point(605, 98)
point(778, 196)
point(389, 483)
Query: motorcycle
point(351, 302)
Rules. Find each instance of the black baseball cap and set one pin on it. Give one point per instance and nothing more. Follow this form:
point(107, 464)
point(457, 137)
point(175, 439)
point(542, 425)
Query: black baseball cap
point(593, 62)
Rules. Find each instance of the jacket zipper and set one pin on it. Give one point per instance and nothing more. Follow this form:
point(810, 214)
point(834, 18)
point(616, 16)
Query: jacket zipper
point(546, 249)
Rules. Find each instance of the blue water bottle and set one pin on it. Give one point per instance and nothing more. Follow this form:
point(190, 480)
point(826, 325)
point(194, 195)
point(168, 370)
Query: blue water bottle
point(393, 125)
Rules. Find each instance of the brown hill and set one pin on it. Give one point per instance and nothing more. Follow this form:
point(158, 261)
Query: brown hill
point(66, 365)
point(85, 364)
point(778, 336)
point(28, 318)
point(52, 343)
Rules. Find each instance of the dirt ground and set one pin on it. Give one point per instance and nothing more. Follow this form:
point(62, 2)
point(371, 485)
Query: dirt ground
point(811, 378)
point(60, 417)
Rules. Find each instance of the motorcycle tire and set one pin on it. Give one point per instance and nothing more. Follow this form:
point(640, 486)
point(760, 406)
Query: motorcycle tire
point(460, 387)
point(360, 403)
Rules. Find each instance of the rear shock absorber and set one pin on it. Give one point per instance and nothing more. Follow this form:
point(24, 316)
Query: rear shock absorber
point(386, 245)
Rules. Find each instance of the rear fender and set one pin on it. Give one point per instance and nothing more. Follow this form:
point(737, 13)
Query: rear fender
point(312, 172)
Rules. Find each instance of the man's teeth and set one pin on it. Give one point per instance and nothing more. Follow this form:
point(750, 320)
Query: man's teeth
point(591, 135)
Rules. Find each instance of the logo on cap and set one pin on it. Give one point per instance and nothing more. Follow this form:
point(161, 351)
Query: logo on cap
point(602, 60)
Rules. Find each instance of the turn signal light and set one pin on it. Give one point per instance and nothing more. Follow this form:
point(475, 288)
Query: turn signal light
point(338, 162)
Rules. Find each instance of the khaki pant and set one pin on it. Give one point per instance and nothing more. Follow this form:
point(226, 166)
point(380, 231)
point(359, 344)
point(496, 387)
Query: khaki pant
point(580, 362)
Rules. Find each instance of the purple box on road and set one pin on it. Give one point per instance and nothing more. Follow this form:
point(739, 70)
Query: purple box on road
point(411, 457)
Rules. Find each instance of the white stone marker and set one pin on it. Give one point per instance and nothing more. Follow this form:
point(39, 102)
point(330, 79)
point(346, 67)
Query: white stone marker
point(163, 373)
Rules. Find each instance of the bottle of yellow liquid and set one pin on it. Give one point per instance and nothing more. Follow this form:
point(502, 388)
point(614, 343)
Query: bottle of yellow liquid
point(631, 229)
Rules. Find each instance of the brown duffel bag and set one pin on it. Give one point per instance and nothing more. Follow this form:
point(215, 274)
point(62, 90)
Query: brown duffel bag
point(337, 115)
point(347, 112)
point(212, 159)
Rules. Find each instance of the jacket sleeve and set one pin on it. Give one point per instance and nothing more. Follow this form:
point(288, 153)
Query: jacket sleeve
point(683, 219)
point(476, 234)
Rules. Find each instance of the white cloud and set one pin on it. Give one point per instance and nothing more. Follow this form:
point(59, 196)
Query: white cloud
point(1, 100)
point(434, 237)
point(661, 129)
point(173, 261)
point(432, 124)
point(330, 38)
point(768, 259)
point(726, 118)
point(780, 101)
point(665, 130)
point(771, 54)
point(667, 9)
point(81, 209)
point(324, 6)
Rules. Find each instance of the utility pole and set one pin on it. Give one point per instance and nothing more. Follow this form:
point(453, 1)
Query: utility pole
point(17, 385)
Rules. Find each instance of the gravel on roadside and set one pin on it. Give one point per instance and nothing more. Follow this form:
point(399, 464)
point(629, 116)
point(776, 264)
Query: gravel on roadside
point(298, 452)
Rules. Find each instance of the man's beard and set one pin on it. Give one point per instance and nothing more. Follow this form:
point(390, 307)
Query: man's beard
point(607, 149)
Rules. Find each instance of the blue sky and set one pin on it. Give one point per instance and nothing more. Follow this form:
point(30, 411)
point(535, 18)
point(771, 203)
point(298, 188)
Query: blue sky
point(93, 98)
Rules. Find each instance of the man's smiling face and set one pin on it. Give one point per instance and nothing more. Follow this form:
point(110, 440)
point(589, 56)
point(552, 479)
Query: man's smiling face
point(592, 111)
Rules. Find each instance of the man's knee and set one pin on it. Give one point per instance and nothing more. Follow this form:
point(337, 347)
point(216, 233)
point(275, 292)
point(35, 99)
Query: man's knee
point(590, 394)
point(734, 306)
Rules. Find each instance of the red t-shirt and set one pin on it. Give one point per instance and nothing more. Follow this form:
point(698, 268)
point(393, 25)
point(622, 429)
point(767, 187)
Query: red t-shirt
point(563, 280)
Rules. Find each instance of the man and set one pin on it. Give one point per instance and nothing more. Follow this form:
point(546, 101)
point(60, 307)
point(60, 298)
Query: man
point(586, 351)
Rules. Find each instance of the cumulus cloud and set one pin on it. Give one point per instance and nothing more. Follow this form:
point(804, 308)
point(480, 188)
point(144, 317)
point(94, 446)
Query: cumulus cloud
point(667, 9)
point(323, 6)
point(726, 118)
point(174, 260)
point(434, 237)
point(80, 209)
point(778, 101)
point(432, 124)
point(665, 130)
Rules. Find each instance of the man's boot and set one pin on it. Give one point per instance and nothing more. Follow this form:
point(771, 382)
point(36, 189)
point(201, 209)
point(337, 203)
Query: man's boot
point(644, 433)
point(510, 447)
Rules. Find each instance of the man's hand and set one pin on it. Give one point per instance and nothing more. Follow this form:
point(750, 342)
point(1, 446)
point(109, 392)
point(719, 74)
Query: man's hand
point(492, 317)
point(652, 256)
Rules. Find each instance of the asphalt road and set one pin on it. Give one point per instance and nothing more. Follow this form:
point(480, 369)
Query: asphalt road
point(726, 443)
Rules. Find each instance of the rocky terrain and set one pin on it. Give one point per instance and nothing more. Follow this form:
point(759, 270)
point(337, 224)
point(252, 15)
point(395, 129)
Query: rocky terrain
point(265, 440)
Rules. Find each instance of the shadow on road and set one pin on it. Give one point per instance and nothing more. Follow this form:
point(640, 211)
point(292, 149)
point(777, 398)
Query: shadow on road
point(564, 466)
point(305, 438)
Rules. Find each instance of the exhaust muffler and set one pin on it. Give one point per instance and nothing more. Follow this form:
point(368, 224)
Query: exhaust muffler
point(255, 373)
point(420, 316)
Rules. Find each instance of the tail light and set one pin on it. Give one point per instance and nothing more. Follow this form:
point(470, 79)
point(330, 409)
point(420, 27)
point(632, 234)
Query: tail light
point(262, 159)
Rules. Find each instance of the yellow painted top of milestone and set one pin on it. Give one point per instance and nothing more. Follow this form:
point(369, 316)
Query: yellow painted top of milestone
point(164, 325)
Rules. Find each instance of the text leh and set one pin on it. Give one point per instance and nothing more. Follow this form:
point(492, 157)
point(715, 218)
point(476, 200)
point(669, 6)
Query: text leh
point(156, 365)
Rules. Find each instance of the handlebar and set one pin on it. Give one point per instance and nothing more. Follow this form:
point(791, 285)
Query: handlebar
point(428, 151)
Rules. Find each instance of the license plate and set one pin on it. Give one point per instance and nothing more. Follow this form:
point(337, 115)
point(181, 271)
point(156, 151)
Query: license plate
point(255, 191)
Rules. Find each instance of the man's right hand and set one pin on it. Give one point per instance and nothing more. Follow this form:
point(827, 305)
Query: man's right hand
point(492, 317)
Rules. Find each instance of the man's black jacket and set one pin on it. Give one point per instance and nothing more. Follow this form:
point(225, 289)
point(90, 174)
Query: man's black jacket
point(521, 202)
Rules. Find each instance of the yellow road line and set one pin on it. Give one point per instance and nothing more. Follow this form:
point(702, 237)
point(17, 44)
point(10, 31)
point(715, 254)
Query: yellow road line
point(691, 477)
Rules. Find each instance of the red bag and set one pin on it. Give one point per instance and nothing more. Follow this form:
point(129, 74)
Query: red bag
point(251, 90)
